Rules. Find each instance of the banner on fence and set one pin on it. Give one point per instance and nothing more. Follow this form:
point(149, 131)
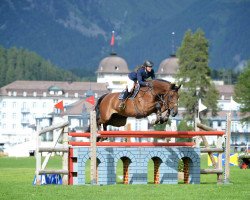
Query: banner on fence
point(49, 179)
point(233, 159)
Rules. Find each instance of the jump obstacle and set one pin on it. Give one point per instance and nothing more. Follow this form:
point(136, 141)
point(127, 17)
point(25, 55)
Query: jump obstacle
point(135, 156)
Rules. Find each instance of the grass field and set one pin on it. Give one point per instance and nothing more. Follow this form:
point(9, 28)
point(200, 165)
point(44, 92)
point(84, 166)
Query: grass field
point(17, 174)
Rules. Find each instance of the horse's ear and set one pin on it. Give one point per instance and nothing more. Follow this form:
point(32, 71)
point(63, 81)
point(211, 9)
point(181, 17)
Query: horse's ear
point(177, 87)
point(172, 86)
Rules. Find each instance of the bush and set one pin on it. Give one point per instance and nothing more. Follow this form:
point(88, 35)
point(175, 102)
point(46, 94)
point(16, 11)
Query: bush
point(181, 166)
point(244, 159)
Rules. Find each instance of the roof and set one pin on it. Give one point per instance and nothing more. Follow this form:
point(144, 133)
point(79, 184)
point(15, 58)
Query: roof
point(78, 108)
point(45, 86)
point(169, 66)
point(113, 64)
point(226, 90)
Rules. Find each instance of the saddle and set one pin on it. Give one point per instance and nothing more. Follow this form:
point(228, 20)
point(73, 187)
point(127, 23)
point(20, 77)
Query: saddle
point(135, 91)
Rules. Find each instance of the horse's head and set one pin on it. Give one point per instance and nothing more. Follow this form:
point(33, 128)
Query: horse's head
point(172, 99)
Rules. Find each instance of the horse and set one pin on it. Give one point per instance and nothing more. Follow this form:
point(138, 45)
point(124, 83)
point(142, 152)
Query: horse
point(159, 95)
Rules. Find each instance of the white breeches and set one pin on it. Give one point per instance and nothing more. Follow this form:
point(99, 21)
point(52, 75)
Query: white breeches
point(130, 84)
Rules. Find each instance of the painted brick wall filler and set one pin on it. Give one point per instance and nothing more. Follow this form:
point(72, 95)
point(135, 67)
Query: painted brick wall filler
point(137, 159)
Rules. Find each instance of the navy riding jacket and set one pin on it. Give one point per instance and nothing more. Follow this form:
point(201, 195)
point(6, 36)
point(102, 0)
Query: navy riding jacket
point(141, 75)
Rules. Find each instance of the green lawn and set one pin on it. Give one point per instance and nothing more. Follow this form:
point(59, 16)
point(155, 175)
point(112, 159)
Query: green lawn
point(16, 176)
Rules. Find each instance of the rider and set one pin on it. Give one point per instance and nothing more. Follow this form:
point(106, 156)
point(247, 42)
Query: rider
point(144, 72)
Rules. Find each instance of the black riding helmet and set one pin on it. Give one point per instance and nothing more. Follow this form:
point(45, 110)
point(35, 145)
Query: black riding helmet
point(148, 63)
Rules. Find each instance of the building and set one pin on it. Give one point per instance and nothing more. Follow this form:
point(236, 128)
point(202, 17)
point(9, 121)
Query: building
point(22, 102)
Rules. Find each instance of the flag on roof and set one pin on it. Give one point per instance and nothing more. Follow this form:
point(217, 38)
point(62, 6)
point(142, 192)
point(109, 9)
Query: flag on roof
point(112, 42)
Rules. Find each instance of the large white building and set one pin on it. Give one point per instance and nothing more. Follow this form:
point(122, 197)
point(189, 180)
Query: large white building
point(22, 102)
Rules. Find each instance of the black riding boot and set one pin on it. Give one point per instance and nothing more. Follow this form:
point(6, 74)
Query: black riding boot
point(125, 96)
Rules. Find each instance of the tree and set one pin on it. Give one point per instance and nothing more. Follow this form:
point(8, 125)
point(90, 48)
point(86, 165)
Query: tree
point(194, 74)
point(21, 64)
point(242, 93)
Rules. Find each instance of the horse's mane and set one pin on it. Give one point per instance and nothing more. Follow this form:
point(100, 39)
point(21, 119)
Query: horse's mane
point(162, 80)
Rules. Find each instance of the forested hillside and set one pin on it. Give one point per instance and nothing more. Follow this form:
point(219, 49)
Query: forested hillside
point(76, 34)
point(20, 64)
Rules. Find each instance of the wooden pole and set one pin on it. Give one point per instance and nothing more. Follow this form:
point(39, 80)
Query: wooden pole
point(38, 156)
point(65, 158)
point(210, 154)
point(219, 162)
point(227, 149)
point(93, 130)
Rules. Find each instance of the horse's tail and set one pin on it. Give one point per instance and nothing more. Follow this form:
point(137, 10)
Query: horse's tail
point(97, 107)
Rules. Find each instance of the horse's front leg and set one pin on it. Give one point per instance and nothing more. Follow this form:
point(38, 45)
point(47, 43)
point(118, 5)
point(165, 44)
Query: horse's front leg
point(166, 117)
point(158, 113)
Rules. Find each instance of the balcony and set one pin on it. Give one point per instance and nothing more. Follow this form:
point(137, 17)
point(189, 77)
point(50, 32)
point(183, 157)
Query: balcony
point(25, 121)
point(25, 110)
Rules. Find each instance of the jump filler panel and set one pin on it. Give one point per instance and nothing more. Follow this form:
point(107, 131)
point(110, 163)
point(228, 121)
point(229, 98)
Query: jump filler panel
point(135, 164)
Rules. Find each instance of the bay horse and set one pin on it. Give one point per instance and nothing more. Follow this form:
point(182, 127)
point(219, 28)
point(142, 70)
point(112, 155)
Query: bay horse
point(160, 96)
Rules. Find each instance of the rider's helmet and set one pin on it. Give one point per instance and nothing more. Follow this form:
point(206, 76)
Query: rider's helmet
point(148, 63)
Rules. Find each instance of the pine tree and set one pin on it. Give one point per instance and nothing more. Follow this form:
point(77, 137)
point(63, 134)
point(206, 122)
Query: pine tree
point(242, 93)
point(194, 74)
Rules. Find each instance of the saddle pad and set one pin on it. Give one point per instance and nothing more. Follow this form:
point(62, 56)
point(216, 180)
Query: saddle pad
point(121, 95)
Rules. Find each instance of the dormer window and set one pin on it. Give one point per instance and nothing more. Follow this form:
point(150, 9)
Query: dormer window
point(55, 90)
point(116, 68)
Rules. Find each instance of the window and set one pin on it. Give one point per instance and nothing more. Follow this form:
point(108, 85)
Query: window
point(24, 104)
point(13, 126)
point(44, 104)
point(14, 105)
point(4, 115)
point(14, 93)
point(34, 94)
point(13, 115)
point(34, 104)
point(76, 95)
point(44, 94)
point(138, 125)
point(67, 94)
point(4, 104)
point(24, 94)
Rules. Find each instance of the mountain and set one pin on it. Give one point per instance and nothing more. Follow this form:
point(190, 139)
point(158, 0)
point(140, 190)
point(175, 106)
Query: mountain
point(76, 34)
